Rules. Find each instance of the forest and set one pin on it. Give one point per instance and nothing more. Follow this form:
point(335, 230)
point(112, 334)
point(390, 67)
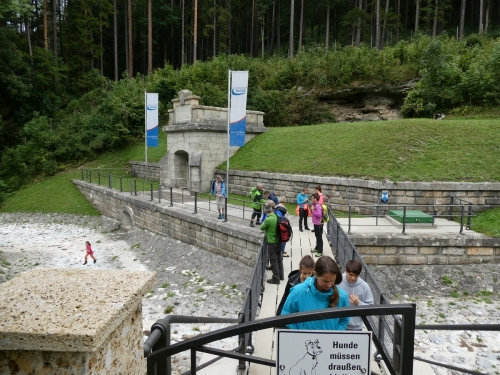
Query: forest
point(73, 72)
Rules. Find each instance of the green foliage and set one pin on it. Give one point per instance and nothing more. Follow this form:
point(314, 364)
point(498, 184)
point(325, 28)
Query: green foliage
point(487, 222)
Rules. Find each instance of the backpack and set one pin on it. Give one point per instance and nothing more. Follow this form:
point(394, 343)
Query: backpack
point(326, 217)
point(285, 232)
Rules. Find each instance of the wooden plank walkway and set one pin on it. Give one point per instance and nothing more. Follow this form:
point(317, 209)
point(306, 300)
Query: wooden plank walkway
point(302, 243)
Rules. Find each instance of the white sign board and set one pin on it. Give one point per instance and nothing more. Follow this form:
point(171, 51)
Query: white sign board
point(323, 352)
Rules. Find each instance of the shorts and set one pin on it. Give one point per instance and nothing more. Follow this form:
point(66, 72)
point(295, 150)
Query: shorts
point(221, 201)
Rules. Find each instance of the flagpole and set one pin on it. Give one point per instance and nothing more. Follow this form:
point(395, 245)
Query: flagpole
point(228, 125)
point(146, 134)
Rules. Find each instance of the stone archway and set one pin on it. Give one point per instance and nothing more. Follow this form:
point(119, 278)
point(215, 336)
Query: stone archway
point(127, 218)
point(181, 169)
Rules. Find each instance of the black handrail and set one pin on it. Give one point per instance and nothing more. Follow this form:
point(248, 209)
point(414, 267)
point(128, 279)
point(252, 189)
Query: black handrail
point(407, 311)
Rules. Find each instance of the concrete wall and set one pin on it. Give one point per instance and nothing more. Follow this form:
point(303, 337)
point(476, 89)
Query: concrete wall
point(138, 169)
point(230, 240)
point(68, 321)
point(345, 191)
point(429, 249)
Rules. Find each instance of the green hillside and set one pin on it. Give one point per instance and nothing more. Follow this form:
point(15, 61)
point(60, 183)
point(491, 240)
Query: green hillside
point(399, 150)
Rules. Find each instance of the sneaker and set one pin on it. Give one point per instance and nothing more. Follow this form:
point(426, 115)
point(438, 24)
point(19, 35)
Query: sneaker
point(257, 223)
point(314, 250)
point(273, 281)
point(95, 260)
point(300, 230)
point(319, 255)
point(251, 224)
point(85, 263)
point(312, 230)
point(219, 217)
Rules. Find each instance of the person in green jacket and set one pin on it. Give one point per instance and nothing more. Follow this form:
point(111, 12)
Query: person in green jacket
point(258, 198)
point(270, 226)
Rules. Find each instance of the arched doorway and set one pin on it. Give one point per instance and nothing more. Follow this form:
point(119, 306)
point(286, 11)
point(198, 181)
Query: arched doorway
point(181, 169)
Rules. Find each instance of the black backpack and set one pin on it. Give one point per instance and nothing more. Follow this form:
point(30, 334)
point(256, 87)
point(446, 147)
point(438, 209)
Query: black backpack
point(285, 232)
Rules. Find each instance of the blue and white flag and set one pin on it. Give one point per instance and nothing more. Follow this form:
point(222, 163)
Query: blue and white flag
point(152, 120)
point(238, 111)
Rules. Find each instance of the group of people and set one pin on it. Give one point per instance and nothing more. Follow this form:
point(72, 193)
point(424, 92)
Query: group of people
point(321, 285)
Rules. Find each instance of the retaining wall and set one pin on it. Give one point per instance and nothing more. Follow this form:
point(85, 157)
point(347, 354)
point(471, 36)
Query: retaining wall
point(138, 169)
point(229, 239)
point(401, 249)
point(345, 191)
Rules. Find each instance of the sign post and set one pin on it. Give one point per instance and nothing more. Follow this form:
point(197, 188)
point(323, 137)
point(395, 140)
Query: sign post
point(323, 352)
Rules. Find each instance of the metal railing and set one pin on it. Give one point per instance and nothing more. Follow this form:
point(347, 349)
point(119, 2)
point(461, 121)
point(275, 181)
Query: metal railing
point(234, 207)
point(387, 329)
point(463, 212)
point(404, 342)
point(159, 339)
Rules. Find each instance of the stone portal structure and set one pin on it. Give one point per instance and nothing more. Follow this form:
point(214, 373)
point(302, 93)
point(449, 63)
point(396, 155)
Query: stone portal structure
point(197, 142)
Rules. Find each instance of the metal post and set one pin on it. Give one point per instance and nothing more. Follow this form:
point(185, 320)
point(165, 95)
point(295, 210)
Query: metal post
point(225, 209)
point(82, 174)
point(462, 210)
point(99, 178)
point(397, 356)
point(349, 228)
point(469, 215)
point(159, 194)
point(171, 197)
point(404, 219)
point(90, 176)
point(407, 343)
point(130, 187)
point(376, 217)
point(110, 181)
point(195, 202)
point(135, 187)
point(451, 208)
point(193, 361)
point(121, 185)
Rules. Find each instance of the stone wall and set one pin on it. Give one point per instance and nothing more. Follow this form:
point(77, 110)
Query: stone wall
point(345, 191)
point(67, 321)
point(138, 169)
point(429, 249)
point(229, 240)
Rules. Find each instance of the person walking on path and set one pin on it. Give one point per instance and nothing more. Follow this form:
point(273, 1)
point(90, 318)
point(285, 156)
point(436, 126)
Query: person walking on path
point(318, 292)
point(302, 201)
point(270, 227)
point(306, 269)
point(257, 197)
point(218, 188)
point(358, 291)
point(88, 251)
point(317, 217)
point(321, 199)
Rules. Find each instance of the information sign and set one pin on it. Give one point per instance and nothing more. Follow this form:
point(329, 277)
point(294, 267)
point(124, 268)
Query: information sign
point(323, 352)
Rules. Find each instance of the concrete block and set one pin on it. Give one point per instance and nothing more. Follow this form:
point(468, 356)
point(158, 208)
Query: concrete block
point(410, 250)
point(473, 251)
point(391, 250)
point(453, 251)
point(416, 260)
point(437, 260)
point(428, 250)
point(391, 259)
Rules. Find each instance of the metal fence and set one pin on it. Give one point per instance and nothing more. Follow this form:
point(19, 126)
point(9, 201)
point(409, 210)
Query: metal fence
point(160, 336)
point(154, 191)
point(458, 210)
point(387, 329)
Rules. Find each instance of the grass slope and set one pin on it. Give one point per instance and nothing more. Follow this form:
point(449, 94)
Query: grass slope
point(400, 150)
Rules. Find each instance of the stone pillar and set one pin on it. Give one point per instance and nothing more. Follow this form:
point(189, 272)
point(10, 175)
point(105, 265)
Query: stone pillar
point(68, 321)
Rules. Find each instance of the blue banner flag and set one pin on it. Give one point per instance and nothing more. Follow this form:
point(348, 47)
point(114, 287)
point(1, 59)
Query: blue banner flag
point(238, 109)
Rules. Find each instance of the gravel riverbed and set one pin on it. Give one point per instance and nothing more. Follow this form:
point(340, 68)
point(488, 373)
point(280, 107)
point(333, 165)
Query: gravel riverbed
point(191, 281)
